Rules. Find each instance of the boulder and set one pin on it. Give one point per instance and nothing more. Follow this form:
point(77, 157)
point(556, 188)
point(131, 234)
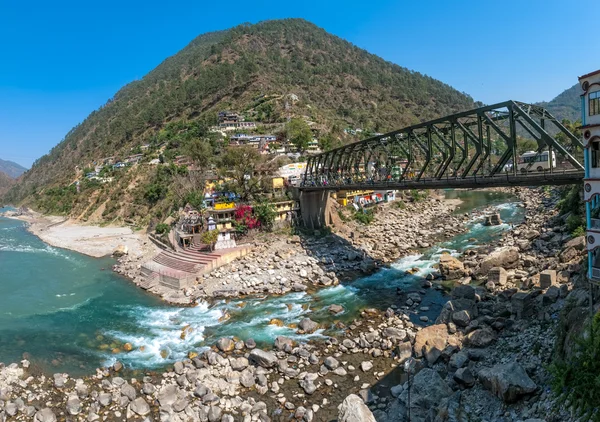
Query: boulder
point(308, 325)
point(140, 407)
point(577, 243)
point(465, 377)
point(262, 358)
point(331, 363)
point(493, 220)
point(451, 268)
point(284, 343)
point(225, 344)
point(336, 309)
point(430, 341)
point(461, 318)
point(457, 305)
point(120, 250)
point(498, 276)
point(547, 278)
point(507, 381)
point(481, 337)
point(521, 304)
point(394, 334)
point(506, 257)
point(427, 391)
point(354, 409)
point(568, 255)
point(464, 292)
point(45, 415)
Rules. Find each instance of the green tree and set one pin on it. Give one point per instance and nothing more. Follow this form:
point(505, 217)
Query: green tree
point(299, 133)
point(239, 164)
point(328, 142)
point(265, 213)
point(199, 151)
point(209, 238)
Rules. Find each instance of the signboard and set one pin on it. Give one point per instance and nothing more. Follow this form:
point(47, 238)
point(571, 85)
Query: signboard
point(224, 205)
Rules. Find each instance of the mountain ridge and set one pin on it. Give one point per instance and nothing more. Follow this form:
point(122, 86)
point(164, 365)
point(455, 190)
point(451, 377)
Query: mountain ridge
point(11, 169)
point(565, 105)
point(269, 72)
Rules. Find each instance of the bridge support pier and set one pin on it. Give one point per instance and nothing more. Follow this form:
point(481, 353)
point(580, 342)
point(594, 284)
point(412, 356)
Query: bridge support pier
point(316, 208)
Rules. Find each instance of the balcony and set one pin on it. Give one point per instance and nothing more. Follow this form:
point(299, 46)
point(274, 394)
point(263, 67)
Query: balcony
point(595, 273)
point(595, 224)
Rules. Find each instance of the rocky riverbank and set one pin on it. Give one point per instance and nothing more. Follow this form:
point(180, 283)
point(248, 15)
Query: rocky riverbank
point(279, 263)
point(484, 358)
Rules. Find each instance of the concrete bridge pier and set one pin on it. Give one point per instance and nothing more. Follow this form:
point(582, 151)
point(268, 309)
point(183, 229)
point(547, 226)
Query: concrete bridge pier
point(316, 209)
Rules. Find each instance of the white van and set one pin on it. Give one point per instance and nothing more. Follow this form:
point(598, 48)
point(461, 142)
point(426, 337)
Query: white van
point(534, 161)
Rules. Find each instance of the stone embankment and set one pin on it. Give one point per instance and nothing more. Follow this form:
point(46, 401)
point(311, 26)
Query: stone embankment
point(484, 358)
point(282, 264)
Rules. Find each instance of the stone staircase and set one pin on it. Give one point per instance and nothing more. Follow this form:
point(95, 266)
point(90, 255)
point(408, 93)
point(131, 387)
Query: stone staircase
point(150, 281)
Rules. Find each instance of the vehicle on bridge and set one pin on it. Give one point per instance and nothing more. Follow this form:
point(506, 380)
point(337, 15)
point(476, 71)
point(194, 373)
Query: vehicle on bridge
point(536, 161)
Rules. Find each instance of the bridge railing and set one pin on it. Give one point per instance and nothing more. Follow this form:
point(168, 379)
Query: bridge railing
point(476, 145)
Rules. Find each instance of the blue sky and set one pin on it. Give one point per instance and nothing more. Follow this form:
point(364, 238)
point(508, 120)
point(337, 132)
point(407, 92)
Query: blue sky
point(61, 60)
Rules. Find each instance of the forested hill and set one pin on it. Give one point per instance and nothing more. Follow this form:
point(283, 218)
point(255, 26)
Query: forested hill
point(565, 105)
point(5, 184)
point(270, 72)
point(11, 169)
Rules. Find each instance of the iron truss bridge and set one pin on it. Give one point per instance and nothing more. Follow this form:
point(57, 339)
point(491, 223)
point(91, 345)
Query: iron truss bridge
point(505, 144)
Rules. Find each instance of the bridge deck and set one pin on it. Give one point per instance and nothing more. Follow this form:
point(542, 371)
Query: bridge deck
point(503, 180)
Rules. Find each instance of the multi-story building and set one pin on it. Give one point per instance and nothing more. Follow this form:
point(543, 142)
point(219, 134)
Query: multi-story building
point(590, 127)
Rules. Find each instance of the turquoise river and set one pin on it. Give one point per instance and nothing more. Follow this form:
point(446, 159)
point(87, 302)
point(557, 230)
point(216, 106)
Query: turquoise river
point(68, 312)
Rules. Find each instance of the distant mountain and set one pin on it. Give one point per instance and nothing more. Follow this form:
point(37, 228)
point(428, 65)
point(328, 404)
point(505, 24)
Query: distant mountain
point(565, 105)
point(11, 168)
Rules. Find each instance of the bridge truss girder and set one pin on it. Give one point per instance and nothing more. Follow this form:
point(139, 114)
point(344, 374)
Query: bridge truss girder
point(477, 144)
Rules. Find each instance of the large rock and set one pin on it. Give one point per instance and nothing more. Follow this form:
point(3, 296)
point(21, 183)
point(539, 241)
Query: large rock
point(547, 278)
point(225, 344)
point(451, 268)
point(457, 305)
point(577, 243)
point(262, 358)
point(308, 325)
point(394, 334)
point(522, 304)
point(427, 391)
point(284, 343)
point(568, 255)
point(336, 309)
point(120, 251)
point(506, 257)
point(493, 220)
point(507, 381)
point(140, 406)
point(482, 337)
point(353, 409)
point(430, 341)
point(498, 275)
point(45, 415)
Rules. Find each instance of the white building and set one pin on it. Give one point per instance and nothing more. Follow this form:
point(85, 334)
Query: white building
point(590, 120)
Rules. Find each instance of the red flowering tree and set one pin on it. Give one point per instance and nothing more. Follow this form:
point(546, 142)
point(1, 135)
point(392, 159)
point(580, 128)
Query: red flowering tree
point(244, 219)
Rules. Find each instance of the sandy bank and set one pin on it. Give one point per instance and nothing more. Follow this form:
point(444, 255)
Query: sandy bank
point(89, 240)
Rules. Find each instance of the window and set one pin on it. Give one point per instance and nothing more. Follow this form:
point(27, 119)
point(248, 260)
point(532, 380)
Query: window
point(595, 155)
point(594, 103)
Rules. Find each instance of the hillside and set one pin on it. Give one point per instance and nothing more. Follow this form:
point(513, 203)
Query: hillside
point(566, 105)
point(11, 168)
point(269, 72)
point(5, 184)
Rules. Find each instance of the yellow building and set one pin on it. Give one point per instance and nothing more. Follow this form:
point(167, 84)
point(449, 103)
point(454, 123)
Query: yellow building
point(285, 209)
point(345, 197)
